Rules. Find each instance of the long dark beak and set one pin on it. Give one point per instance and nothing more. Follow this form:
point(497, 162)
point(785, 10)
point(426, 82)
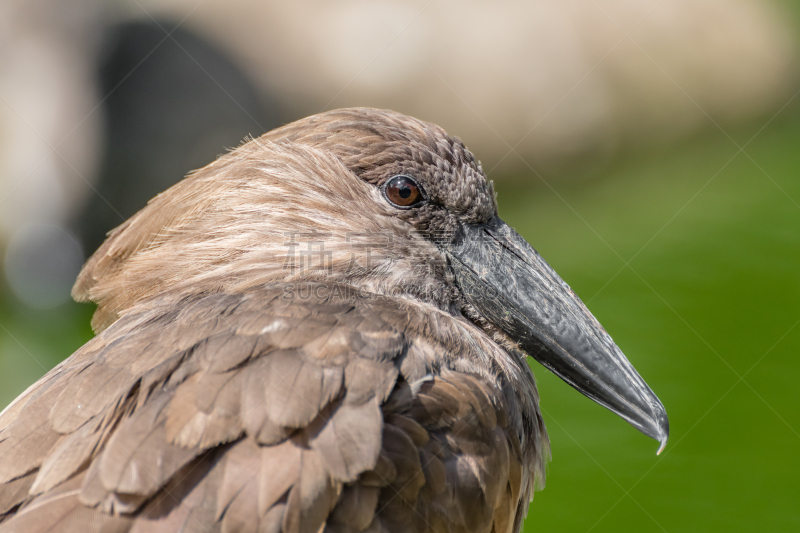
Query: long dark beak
point(518, 292)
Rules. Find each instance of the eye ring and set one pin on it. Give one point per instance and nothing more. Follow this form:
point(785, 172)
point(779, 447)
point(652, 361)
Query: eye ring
point(403, 192)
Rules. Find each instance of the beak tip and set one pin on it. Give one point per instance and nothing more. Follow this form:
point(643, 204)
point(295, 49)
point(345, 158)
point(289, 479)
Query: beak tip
point(663, 441)
point(663, 434)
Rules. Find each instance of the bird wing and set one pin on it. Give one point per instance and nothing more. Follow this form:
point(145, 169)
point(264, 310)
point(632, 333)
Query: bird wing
point(261, 411)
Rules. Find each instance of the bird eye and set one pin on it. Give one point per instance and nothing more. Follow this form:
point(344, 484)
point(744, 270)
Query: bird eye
point(402, 191)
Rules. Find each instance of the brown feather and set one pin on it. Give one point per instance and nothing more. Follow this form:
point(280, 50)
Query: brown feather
point(61, 511)
point(280, 469)
point(312, 497)
point(348, 438)
point(24, 451)
point(138, 459)
point(356, 508)
point(71, 453)
point(15, 492)
point(242, 464)
point(187, 503)
point(205, 411)
point(295, 389)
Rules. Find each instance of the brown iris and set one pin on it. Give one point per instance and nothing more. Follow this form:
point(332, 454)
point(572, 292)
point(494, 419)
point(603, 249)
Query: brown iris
point(403, 191)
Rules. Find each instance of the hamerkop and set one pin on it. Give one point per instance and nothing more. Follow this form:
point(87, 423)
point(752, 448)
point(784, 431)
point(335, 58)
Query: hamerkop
point(326, 329)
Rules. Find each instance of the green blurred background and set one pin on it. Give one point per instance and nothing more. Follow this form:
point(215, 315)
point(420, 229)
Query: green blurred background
point(689, 257)
point(689, 254)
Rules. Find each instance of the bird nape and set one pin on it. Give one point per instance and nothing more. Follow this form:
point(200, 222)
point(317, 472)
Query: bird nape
point(325, 329)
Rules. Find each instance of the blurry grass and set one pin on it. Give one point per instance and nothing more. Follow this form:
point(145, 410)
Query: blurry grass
point(792, 9)
point(712, 289)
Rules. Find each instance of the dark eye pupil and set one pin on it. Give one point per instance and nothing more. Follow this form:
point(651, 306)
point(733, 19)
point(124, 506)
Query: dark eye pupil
point(403, 191)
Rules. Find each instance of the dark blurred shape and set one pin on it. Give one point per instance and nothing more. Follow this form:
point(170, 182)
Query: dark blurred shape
point(41, 263)
point(172, 104)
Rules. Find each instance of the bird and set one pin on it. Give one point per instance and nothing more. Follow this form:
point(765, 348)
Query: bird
point(328, 329)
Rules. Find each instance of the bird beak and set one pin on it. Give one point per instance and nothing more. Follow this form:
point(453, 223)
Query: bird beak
point(519, 293)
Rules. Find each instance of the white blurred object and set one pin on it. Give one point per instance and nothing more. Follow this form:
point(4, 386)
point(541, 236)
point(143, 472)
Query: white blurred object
point(49, 134)
point(562, 76)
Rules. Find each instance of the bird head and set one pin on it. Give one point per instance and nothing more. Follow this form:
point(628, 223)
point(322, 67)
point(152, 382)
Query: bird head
point(381, 202)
